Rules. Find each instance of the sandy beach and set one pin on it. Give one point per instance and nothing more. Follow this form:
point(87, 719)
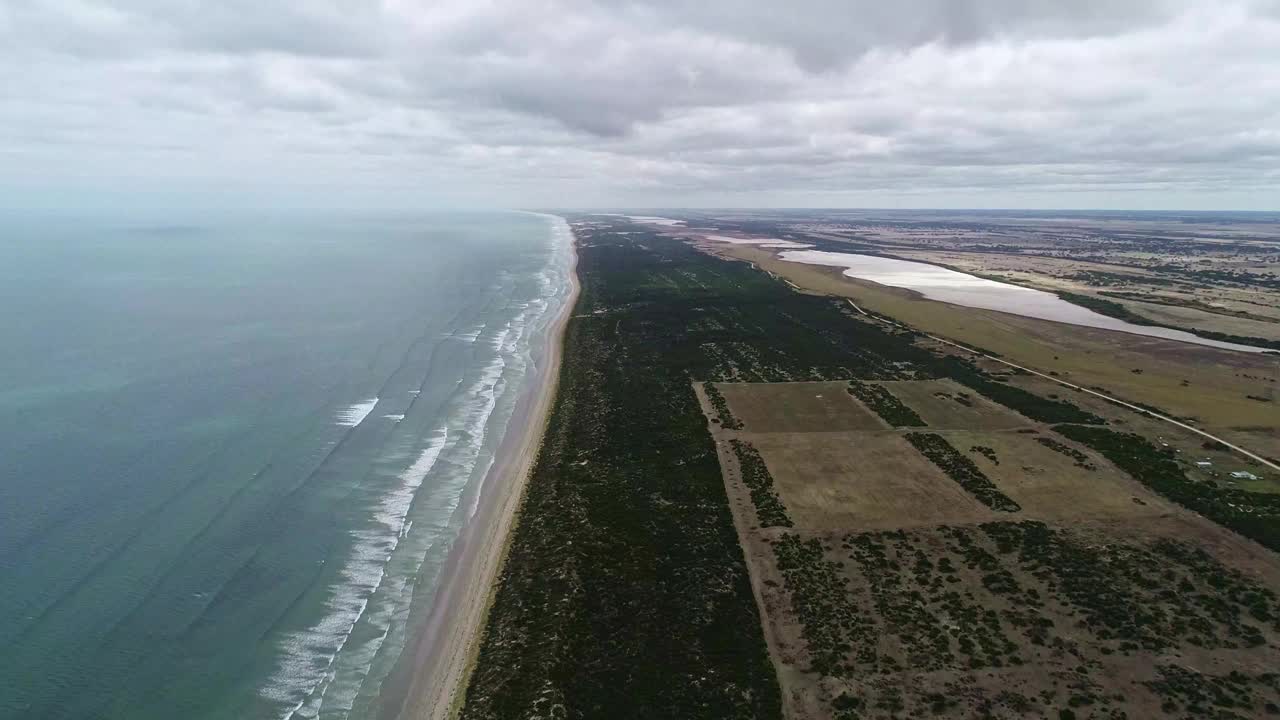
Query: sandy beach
point(432, 678)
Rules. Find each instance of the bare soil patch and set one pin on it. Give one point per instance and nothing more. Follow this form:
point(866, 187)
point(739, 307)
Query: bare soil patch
point(1052, 485)
point(947, 405)
point(862, 480)
point(797, 407)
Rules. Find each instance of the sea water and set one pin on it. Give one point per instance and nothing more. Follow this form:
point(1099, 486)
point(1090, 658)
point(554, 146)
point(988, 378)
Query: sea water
point(234, 451)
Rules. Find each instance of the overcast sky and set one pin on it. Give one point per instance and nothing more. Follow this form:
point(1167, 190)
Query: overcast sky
point(892, 103)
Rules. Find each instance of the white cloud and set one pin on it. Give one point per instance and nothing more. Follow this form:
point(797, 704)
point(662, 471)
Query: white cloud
point(577, 103)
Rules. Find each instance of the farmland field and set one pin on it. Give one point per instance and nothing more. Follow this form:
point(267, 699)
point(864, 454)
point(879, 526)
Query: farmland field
point(756, 501)
point(894, 593)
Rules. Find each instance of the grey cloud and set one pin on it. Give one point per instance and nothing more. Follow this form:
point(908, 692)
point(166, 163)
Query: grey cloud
point(828, 33)
point(116, 29)
point(530, 101)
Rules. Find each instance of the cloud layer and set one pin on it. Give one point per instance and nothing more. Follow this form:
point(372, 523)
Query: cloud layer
point(817, 102)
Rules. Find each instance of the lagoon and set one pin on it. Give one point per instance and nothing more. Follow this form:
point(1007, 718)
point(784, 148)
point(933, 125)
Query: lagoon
point(951, 286)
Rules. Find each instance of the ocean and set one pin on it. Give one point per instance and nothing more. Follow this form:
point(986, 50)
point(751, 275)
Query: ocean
point(234, 451)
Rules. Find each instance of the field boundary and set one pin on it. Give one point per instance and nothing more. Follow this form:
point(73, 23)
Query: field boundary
point(1247, 453)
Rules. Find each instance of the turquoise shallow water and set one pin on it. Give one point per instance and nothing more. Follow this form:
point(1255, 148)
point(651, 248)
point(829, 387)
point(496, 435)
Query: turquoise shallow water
point(232, 450)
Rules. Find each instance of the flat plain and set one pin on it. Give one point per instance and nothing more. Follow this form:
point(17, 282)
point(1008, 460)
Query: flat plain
point(798, 407)
point(895, 593)
point(822, 480)
point(945, 404)
point(1213, 387)
point(756, 500)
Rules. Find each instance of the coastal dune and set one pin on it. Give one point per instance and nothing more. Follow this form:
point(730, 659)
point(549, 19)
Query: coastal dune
point(434, 670)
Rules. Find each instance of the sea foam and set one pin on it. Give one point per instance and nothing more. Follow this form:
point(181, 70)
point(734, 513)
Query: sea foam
point(362, 574)
point(355, 414)
point(322, 671)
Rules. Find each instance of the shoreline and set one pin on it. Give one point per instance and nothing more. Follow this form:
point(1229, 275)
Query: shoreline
point(430, 682)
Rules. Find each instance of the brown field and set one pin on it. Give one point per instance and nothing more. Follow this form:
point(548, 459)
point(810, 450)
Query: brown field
point(895, 594)
point(947, 405)
point(1191, 448)
point(1051, 486)
point(831, 480)
point(798, 407)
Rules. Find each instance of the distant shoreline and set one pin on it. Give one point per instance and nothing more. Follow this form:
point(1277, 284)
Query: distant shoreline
point(431, 678)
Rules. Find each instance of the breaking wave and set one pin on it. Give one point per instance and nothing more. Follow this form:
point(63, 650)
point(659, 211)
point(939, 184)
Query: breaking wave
point(355, 414)
point(340, 661)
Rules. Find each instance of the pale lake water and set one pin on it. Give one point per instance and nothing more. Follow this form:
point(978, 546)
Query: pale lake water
point(234, 453)
point(951, 286)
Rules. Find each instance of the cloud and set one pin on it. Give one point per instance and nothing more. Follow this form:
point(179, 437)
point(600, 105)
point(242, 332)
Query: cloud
point(554, 102)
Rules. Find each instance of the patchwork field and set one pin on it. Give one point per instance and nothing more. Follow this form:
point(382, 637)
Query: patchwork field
point(971, 562)
point(1055, 479)
point(798, 407)
point(753, 502)
point(823, 481)
point(1211, 385)
point(945, 404)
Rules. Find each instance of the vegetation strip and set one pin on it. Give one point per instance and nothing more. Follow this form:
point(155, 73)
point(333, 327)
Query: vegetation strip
point(955, 599)
point(1252, 514)
point(1273, 463)
point(1081, 460)
point(1111, 308)
point(1122, 592)
point(1198, 694)
point(624, 559)
point(962, 470)
point(727, 420)
point(987, 452)
point(755, 475)
point(885, 404)
point(625, 578)
point(1015, 398)
point(822, 602)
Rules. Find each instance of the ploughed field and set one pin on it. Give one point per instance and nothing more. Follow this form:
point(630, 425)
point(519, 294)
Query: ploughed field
point(751, 503)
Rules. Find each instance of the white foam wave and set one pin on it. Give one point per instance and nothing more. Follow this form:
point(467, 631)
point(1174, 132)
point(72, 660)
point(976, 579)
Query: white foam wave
point(298, 671)
point(355, 414)
point(381, 576)
point(462, 451)
point(469, 336)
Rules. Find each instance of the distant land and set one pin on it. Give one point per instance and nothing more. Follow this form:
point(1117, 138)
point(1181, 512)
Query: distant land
point(659, 463)
point(882, 464)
